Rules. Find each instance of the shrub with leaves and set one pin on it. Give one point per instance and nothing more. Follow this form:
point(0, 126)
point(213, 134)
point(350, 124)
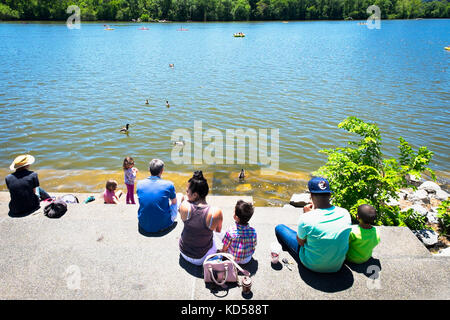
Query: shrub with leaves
point(444, 217)
point(360, 174)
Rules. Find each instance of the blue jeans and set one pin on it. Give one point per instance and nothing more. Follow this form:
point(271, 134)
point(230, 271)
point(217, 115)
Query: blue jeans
point(288, 239)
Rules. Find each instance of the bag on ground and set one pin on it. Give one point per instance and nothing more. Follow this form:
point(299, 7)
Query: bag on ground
point(220, 268)
point(56, 209)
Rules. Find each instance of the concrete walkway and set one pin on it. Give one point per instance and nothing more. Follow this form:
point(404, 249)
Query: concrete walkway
point(96, 252)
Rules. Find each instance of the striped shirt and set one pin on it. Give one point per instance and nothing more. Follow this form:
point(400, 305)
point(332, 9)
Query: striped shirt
point(241, 241)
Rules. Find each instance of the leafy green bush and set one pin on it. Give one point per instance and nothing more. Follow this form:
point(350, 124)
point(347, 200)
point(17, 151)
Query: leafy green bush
point(6, 13)
point(444, 217)
point(359, 174)
point(145, 17)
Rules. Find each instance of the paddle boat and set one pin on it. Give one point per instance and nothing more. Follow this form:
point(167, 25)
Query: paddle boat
point(143, 28)
point(182, 29)
point(239, 35)
point(447, 48)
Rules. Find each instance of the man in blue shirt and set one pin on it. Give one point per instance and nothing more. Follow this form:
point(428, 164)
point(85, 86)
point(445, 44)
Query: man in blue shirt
point(157, 200)
point(321, 240)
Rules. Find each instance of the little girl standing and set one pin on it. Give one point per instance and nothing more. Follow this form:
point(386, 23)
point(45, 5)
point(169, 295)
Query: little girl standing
point(130, 175)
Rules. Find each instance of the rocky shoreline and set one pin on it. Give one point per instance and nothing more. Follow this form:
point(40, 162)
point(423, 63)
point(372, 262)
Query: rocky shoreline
point(425, 201)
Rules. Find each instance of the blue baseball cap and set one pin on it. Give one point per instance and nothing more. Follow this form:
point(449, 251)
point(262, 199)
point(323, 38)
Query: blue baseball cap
point(319, 185)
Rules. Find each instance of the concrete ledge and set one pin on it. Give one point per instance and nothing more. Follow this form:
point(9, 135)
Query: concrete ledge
point(40, 258)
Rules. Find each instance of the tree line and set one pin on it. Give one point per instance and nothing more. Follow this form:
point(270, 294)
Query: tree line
point(221, 10)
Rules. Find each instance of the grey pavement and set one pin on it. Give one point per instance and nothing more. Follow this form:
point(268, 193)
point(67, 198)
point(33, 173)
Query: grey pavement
point(96, 252)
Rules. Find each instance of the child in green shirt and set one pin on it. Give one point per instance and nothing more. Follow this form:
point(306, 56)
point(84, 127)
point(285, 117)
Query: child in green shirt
point(364, 236)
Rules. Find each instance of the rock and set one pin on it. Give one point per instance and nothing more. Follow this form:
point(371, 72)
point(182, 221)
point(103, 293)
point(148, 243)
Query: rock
point(419, 195)
point(300, 199)
point(402, 194)
point(393, 202)
point(412, 179)
point(432, 216)
point(430, 187)
point(418, 209)
point(441, 195)
point(428, 237)
point(444, 252)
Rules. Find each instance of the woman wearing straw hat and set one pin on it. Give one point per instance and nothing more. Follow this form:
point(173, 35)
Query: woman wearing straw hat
point(23, 186)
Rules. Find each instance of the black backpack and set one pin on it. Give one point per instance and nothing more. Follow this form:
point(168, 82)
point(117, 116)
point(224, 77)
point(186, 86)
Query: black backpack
point(56, 209)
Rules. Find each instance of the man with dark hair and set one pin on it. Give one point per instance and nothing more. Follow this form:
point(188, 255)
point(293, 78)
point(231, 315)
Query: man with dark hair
point(157, 200)
point(321, 240)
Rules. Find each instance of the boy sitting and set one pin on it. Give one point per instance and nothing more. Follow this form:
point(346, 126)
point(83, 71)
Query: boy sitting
point(364, 236)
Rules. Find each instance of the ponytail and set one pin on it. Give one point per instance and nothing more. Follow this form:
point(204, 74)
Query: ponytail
point(198, 184)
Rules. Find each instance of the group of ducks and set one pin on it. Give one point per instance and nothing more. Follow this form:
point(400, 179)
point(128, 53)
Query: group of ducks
point(125, 129)
point(167, 103)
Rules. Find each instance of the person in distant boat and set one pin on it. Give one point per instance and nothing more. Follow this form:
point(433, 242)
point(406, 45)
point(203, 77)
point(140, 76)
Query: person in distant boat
point(171, 65)
point(146, 101)
point(23, 186)
point(167, 104)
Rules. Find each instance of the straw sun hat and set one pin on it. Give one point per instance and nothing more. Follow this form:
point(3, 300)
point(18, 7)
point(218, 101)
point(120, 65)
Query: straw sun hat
point(21, 161)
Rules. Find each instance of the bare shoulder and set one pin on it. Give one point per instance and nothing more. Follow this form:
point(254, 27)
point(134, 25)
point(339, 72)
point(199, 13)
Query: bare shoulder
point(216, 212)
point(184, 207)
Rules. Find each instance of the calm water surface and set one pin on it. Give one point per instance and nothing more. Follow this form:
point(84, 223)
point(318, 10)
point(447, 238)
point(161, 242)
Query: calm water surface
point(64, 94)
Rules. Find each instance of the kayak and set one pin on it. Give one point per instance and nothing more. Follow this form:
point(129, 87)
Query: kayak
point(447, 48)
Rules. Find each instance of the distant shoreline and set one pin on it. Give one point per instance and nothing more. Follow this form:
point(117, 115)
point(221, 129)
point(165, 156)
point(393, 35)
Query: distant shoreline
point(209, 21)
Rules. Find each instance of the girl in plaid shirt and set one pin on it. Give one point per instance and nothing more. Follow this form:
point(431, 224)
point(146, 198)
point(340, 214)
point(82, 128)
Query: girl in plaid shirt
point(240, 238)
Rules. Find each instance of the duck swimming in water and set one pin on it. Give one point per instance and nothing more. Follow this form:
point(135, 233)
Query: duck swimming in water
point(178, 143)
point(242, 175)
point(125, 129)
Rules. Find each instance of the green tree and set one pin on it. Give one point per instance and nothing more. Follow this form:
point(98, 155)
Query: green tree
point(6, 13)
point(241, 10)
point(360, 174)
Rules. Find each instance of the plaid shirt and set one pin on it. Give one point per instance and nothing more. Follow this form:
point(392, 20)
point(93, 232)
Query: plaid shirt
point(241, 240)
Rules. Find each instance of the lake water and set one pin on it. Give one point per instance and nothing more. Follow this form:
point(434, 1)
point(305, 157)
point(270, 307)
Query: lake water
point(65, 94)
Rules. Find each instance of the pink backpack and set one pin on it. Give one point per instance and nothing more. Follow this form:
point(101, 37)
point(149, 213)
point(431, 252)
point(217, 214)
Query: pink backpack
point(221, 268)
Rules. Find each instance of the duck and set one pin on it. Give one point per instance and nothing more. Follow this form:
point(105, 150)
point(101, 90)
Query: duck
point(167, 104)
point(242, 175)
point(178, 143)
point(125, 129)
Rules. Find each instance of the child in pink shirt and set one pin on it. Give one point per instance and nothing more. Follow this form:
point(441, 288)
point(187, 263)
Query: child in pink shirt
point(110, 195)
